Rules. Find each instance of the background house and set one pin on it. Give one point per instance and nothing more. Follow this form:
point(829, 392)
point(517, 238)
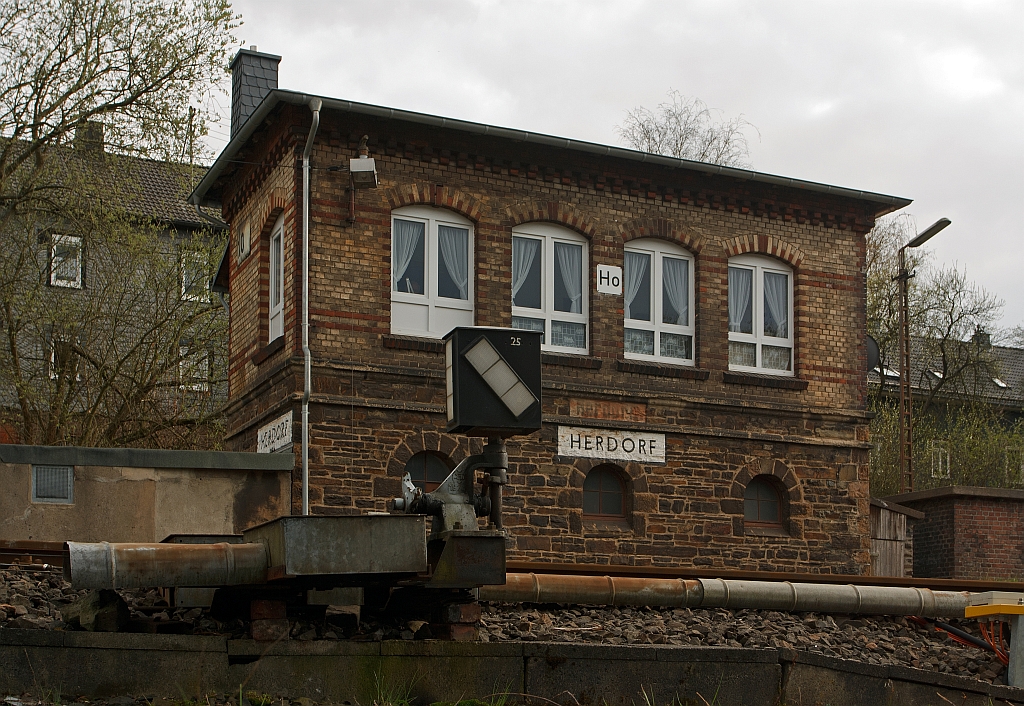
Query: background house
point(110, 334)
point(734, 339)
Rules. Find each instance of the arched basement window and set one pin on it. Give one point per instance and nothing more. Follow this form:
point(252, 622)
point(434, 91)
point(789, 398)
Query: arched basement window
point(604, 493)
point(762, 504)
point(427, 471)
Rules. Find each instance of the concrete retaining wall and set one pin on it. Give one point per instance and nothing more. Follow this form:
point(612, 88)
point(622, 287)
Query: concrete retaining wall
point(142, 495)
point(94, 664)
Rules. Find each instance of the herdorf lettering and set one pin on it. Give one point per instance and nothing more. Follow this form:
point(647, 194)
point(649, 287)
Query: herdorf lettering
point(642, 447)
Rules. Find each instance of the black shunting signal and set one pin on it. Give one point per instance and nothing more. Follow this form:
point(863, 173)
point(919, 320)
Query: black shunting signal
point(493, 381)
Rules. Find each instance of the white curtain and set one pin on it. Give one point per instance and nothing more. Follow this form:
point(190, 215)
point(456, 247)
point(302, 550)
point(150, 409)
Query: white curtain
point(636, 266)
point(741, 283)
point(776, 302)
point(454, 246)
point(676, 284)
point(407, 237)
point(570, 266)
point(524, 252)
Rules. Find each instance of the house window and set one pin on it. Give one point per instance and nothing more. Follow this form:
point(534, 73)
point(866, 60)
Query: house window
point(1014, 461)
point(53, 484)
point(193, 369)
point(549, 286)
point(63, 359)
point(940, 459)
point(66, 261)
point(604, 493)
point(657, 291)
point(194, 277)
point(431, 271)
point(762, 504)
point(427, 471)
point(276, 320)
point(760, 316)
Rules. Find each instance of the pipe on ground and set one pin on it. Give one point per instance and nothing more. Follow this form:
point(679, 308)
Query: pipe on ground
point(720, 593)
point(106, 565)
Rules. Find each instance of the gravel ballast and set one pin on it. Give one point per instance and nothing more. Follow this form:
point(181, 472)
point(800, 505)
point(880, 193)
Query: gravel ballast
point(33, 598)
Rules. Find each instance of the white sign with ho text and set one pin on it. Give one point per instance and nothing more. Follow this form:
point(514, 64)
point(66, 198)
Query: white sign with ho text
point(639, 446)
point(275, 435)
point(609, 279)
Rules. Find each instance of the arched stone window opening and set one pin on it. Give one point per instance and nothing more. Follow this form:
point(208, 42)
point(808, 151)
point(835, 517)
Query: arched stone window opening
point(604, 494)
point(763, 505)
point(427, 470)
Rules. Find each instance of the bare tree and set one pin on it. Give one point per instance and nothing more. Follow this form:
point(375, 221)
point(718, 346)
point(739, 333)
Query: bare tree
point(685, 127)
point(113, 341)
point(145, 68)
point(946, 311)
point(101, 345)
point(952, 323)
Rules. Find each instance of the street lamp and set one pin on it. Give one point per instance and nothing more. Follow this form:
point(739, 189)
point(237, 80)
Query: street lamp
point(906, 401)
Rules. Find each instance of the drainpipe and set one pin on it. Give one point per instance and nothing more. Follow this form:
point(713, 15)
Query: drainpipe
point(314, 105)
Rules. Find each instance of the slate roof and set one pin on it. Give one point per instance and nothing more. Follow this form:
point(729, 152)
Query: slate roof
point(209, 188)
point(158, 190)
point(1008, 366)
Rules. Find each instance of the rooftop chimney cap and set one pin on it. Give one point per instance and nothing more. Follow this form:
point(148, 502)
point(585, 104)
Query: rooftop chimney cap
point(253, 76)
point(89, 137)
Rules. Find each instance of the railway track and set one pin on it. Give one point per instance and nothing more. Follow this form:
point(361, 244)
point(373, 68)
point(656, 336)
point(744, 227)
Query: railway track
point(27, 552)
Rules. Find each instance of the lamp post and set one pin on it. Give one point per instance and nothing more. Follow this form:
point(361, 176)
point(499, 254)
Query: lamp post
point(906, 400)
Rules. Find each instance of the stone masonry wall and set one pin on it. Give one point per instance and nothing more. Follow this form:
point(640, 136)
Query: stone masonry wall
point(378, 398)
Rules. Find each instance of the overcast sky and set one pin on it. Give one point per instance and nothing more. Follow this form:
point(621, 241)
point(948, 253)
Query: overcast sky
point(922, 99)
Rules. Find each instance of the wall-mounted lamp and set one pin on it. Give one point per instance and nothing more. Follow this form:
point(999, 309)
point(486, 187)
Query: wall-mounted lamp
point(362, 173)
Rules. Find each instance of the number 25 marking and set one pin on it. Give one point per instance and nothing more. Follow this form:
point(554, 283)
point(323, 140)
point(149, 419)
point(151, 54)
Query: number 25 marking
point(516, 340)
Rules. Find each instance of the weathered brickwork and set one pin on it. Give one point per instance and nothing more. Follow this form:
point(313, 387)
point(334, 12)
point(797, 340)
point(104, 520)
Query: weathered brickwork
point(378, 398)
point(968, 533)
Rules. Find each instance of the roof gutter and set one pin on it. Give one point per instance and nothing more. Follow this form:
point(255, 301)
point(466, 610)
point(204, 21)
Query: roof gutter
point(889, 203)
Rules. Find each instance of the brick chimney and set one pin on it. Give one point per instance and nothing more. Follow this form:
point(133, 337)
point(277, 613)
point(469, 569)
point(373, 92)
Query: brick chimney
point(89, 137)
point(253, 76)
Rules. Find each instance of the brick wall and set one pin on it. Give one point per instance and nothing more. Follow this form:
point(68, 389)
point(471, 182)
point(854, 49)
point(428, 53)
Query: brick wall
point(968, 533)
point(378, 399)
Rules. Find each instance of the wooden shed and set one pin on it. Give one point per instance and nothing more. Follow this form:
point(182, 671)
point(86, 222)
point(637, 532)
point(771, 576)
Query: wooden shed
point(892, 538)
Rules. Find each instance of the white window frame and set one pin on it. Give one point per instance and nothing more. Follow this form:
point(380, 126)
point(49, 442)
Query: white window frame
point(658, 250)
point(760, 265)
point(74, 241)
point(940, 458)
point(275, 300)
point(55, 372)
point(192, 269)
point(549, 234)
point(193, 369)
point(438, 309)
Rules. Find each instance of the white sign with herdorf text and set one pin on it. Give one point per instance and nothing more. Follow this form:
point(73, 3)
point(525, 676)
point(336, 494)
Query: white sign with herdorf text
point(609, 279)
point(639, 446)
point(276, 435)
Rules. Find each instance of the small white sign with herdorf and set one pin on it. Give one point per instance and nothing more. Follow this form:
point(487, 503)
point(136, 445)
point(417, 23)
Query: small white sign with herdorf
point(276, 435)
point(640, 446)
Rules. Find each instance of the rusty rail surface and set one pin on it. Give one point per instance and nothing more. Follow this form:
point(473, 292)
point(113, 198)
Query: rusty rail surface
point(29, 552)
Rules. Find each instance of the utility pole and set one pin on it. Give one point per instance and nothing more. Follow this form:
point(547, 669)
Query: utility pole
point(906, 415)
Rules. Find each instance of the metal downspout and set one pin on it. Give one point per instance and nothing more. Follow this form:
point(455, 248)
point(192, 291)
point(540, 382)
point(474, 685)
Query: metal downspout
point(314, 105)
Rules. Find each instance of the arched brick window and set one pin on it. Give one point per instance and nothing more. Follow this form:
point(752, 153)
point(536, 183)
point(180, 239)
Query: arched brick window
point(762, 504)
point(427, 470)
point(604, 493)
